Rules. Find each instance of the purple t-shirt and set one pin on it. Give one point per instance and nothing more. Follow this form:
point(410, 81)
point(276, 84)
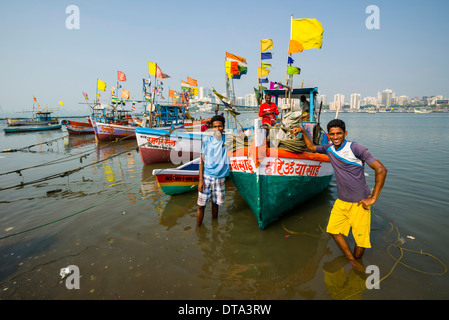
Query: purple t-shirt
point(348, 164)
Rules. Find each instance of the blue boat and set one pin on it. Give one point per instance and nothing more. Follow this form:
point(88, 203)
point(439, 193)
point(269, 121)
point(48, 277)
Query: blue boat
point(32, 129)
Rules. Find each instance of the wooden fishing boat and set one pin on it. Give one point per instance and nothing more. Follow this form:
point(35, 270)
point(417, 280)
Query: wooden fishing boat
point(39, 118)
point(182, 179)
point(273, 180)
point(158, 145)
point(76, 127)
point(166, 134)
point(32, 129)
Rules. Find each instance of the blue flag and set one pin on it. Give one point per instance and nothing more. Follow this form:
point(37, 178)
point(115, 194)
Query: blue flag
point(290, 60)
point(261, 80)
point(266, 55)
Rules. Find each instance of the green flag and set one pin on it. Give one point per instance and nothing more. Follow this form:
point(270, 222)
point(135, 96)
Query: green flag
point(293, 70)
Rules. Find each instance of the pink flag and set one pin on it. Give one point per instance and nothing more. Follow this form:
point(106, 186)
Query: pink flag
point(159, 74)
point(121, 76)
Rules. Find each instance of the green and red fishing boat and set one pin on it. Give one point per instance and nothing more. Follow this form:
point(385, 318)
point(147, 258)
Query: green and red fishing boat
point(275, 180)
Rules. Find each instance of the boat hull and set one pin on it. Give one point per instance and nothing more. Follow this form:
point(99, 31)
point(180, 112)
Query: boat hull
point(280, 182)
point(32, 129)
point(179, 180)
point(158, 145)
point(75, 127)
point(20, 122)
point(111, 131)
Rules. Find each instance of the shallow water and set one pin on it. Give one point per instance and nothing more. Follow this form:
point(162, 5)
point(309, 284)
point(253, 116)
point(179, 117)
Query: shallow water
point(131, 241)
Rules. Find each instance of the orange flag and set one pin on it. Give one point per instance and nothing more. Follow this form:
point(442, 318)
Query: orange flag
point(192, 82)
point(295, 46)
point(125, 94)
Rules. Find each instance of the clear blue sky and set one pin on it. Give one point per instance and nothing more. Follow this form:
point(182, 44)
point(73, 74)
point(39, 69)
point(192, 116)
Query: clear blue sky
point(40, 57)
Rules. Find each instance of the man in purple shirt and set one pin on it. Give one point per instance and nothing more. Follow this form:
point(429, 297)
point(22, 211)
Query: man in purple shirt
point(352, 208)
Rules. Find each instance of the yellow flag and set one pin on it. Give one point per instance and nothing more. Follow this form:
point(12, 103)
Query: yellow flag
point(151, 68)
point(263, 72)
point(101, 85)
point(265, 65)
point(266, 44)
point(295, 46)
point(125, 94)
point(308, 32)
point(60, 102)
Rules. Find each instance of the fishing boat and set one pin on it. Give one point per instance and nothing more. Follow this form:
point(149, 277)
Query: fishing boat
point(423, 110)
point(182, 179)
point(273, 179)
point(76, 127)
point(32, 128)
point(38, 118)
point(110, 123)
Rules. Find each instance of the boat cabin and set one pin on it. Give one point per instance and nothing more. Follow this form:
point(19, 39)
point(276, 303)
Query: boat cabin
point(167, 114)
point(43, 116)
point(281, 98)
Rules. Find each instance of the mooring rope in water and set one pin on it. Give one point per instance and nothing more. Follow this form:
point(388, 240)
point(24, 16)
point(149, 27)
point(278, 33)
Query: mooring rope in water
point(33, 145)
point(397, 260)
point(64, 159)
point(78, 212)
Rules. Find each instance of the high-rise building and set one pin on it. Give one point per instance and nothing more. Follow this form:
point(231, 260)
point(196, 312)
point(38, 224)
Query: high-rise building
point(355, 101)
point(339, 101)
point(387, 96)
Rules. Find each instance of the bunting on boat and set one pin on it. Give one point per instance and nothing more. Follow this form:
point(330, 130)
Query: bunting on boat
point(263, 71)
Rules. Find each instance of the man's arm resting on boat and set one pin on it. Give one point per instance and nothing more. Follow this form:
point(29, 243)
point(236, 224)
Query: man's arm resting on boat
point(308, 142)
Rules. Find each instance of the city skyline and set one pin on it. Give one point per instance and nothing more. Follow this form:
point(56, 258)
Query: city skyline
point(43, 58)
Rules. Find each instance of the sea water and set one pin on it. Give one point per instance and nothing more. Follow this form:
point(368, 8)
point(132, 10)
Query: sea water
point(71, 202)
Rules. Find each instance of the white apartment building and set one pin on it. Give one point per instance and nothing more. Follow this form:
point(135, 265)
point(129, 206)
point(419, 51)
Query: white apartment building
point(355, 101)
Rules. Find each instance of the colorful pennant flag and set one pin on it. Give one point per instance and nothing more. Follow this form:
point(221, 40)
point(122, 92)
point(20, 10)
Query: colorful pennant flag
point(308, 32)
point(34, 99)
point(121, 76)
point(266, 44)
point(262, 80)
point(234, 65)
point(85, 96)
point(151, 68)
point(159, 74)
point(293, 70)
point(295, 46)
point(101, 85)
point(266, 55)
point(60, 103)
point(263, 72)
point(192, 82)
point(125, 94)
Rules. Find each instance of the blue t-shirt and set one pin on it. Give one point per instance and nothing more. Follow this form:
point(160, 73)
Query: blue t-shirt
point(348, 164)
point(216, 162)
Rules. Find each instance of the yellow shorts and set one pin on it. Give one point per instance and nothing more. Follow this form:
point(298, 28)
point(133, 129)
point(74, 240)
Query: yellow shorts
point(345, 215)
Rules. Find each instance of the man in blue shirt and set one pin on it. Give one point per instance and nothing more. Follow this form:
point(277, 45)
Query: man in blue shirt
point(213, 170)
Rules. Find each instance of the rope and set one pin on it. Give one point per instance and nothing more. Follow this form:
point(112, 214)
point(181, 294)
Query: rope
point(30, 146)
point(76, 213)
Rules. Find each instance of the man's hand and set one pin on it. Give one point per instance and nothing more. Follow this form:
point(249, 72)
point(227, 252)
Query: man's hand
point(201, 186)
point(295, 131)
point(367, 203)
